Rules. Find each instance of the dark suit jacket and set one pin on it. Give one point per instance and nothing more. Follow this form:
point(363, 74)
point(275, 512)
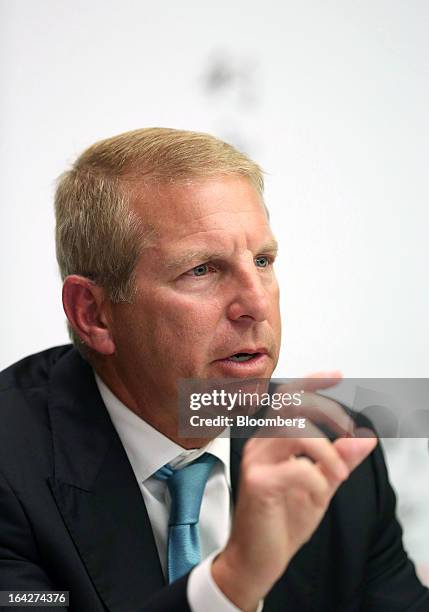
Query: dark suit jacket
point(72, 515)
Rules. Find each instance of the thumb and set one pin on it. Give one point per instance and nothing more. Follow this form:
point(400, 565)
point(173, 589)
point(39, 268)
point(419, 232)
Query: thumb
point(354, 450)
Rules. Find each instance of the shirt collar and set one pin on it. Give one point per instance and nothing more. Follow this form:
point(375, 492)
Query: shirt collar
point(147, 448)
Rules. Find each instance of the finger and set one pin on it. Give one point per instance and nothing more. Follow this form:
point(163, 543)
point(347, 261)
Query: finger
point(323, 410)
point(319, 450)
point(289, 432)
point(333, 375)
point(324, 453)
point(314, 408)
point(302, 476)
point(354, 450)
point(312, 382)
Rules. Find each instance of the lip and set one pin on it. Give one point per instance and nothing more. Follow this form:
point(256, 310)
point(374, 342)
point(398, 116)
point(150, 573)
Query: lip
point(256, 367)
point(261, 349)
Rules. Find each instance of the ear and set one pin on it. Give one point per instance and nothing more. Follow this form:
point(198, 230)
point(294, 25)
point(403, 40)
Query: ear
point(86, 308)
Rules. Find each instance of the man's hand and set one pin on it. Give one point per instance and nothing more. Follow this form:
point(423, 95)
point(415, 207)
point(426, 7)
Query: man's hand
point(286, 485)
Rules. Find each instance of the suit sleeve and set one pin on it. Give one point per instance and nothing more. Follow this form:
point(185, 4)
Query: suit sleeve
point(20, 567)
point(391, 583)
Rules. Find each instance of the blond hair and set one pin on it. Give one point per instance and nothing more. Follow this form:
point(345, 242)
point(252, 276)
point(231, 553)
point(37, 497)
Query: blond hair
point(98, 234)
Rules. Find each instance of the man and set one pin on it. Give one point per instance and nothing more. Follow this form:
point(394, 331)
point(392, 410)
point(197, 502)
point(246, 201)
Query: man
point(166, 252)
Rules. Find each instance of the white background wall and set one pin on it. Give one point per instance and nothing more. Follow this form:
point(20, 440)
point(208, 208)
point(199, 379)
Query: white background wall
point(330, 97)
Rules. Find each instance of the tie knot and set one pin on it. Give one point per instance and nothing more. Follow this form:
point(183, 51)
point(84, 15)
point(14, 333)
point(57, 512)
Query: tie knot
point(186, 486)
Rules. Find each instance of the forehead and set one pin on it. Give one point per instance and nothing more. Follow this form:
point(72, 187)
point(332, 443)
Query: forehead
point(200, 206)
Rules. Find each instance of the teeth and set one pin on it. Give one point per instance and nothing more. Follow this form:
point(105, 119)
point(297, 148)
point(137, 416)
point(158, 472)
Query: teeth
point(241, 357)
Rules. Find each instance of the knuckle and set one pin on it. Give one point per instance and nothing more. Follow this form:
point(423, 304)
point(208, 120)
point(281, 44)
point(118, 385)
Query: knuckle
point(253, 478)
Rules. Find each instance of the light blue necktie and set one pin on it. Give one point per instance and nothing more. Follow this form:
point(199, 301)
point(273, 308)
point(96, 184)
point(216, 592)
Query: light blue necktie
point(186, 486)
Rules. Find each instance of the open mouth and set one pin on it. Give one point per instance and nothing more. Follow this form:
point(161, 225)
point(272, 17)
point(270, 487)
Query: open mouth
point(245, 362)
point(240, 357)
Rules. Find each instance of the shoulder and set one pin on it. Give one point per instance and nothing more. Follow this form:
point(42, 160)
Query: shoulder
point(32, 371)
point(24, 387)
point(25, 434)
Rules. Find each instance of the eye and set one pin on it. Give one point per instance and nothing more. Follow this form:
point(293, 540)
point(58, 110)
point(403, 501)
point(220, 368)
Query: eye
point(262, 261)
point(200, 270)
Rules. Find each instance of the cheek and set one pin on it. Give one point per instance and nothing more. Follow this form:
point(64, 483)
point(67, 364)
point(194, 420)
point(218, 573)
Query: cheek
point(129, 332)
point(191, 322)
point(275, 298)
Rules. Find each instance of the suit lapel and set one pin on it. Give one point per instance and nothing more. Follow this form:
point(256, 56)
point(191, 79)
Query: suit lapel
point(96, 491)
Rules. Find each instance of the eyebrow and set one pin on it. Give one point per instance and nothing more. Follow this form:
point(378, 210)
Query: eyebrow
point(203, 255)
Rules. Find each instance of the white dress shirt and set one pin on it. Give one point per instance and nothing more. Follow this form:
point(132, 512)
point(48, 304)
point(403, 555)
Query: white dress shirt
point(148, 450)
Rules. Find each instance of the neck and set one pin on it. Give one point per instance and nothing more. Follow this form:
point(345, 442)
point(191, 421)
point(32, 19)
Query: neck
point(162, 417)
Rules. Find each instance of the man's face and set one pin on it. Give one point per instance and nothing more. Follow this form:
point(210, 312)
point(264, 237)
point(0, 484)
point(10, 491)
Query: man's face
point(206, 290)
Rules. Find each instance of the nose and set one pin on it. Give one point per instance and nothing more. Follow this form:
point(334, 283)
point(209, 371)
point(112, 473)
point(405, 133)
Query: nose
point(250, 298)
